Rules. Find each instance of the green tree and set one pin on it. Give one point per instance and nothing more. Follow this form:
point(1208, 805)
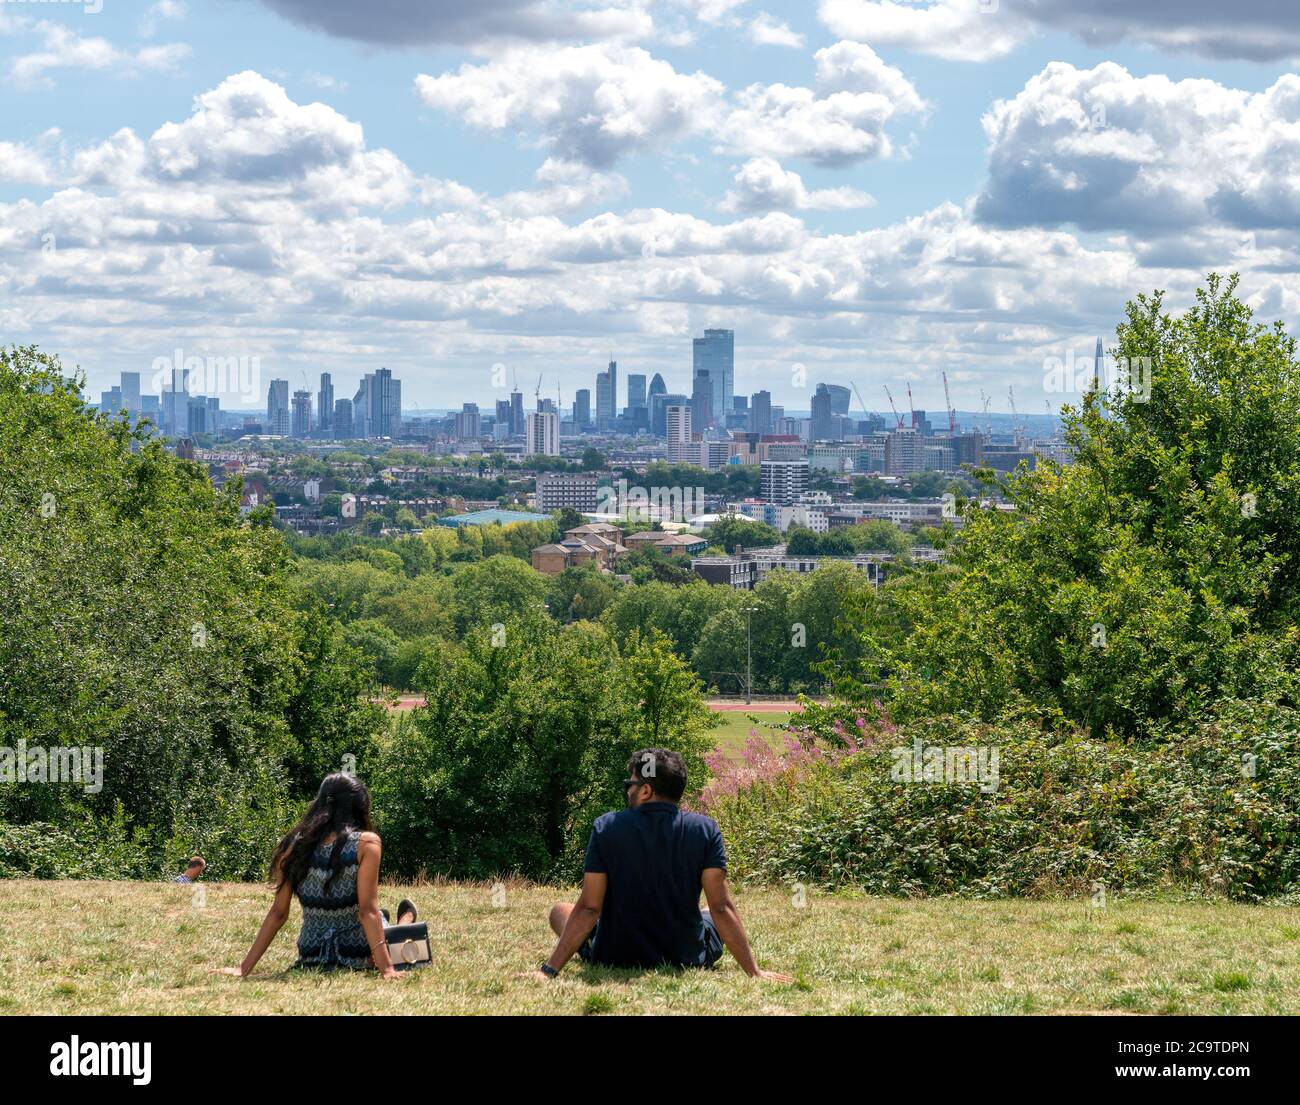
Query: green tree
point(523, 743)
point(145, 616)
point(1148, 579)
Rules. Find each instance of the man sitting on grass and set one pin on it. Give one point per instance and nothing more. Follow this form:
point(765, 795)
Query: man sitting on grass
point(646, 865)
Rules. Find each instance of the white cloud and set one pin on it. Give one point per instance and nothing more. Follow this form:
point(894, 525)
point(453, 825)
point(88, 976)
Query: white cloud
point(259, 223)
point(981, 30)
point(764, 30)
point(21, 163)
point(1103, 149)
point(762, 184)
point(958, 30)
point(63, 49)
point(598, 103)
point(783, 122)
point(589, 103)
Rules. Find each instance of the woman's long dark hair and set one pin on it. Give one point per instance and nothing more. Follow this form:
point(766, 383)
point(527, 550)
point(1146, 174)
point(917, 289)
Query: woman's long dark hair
point(342, 806)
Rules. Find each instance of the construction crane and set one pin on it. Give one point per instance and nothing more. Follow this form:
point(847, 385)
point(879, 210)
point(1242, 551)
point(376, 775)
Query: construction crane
point(985, 400)
point(952, 414)
point(1015, 415)
point(910, 406)
point(537, 392)
point(898, 418)
point(860, 402)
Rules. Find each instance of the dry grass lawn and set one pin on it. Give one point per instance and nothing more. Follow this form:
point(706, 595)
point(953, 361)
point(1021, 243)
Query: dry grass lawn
point(103, 947)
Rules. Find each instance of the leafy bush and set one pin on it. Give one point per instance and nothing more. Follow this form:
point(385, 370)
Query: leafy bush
point(147, 617)
point(524, 742)
point(1213, 808)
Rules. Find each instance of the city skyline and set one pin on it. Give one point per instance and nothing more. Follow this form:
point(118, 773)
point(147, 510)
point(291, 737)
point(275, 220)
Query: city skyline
point(874, 193)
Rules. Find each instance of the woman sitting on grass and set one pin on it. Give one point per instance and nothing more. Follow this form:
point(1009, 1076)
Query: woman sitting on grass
point(330, 860)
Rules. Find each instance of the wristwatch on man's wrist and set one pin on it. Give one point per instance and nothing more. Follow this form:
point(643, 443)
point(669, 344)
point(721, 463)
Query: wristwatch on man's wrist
point(548, 970)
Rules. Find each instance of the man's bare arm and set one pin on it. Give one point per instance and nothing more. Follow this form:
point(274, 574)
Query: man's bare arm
point(583, 918)
point(726, 919)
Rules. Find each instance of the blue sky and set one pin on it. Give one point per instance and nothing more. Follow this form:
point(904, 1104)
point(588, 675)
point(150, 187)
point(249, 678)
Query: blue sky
point(869, 192)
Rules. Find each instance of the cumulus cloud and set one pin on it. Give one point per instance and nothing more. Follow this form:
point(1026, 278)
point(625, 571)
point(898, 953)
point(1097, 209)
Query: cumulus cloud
point(764, 30)
point(783, 122)
point(589, 103)
point(247, 130)
point(64, 49)
point(597, 103)
point(762, 184)
point(403, 22)
point(1102, 149)
point(958, 30)
point(21, 163)
point(258, 223)
point(979, 30)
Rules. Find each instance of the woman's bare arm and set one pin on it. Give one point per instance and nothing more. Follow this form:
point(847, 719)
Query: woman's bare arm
point(271, 924)
point(369, 852)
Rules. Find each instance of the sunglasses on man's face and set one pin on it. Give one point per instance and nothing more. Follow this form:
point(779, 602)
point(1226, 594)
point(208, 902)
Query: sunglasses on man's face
point(628, 784)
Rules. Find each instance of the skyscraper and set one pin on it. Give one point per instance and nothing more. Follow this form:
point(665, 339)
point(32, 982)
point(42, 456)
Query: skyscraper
point(543, 436)
point(516, 412)
point(377, 406)
point(659, 405)
point(390, 409)
point(606, 391)
point(468, 422)
point(840, 396)
point(175, 413)
point(301, 413)
point(325, 403)
point(130, 388)
point(702, 399)
point(277, 407)
point(678, 419)
point(636, 398)
point(821, 429)
point(582, 409)
point(341, 423)
point(760, 412)
point(715, 353)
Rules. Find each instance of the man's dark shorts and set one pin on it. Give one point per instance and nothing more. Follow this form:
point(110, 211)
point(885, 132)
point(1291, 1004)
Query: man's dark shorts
point(713, 945)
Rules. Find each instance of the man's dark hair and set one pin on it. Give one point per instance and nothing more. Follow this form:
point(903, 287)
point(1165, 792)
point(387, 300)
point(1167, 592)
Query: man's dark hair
point(663, 769)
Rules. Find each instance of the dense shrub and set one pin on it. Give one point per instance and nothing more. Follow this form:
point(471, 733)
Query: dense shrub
point(1068, 812)
point(146, 616)
point(524, 742)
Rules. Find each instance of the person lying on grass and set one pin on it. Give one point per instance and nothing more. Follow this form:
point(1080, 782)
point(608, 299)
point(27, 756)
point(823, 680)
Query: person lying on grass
point(330, 860)
point(646, 865)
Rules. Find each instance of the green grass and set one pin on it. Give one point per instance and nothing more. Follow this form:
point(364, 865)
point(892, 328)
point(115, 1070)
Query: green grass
point(98, 947)
point(734, 732)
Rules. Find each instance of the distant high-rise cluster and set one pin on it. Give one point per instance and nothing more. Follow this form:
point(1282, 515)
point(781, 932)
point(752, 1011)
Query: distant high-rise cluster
point(702, 423)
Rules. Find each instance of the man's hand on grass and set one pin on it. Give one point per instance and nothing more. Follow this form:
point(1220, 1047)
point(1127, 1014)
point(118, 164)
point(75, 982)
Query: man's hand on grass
point(773, 976)
point(238, 972)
